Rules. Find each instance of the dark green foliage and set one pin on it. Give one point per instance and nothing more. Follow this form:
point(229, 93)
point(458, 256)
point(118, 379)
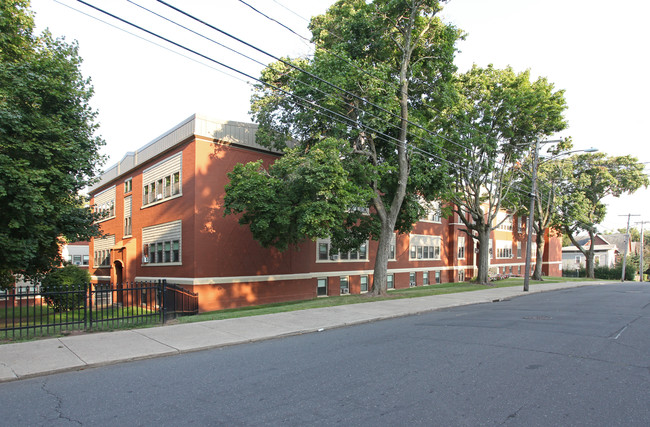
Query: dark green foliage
point(65, 288)
point(48, 151)
point(605, 273)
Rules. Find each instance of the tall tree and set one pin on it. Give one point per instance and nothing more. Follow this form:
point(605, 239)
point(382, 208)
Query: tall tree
point(48, 151)
point(373, 62)
point(594, 177)
point(497, 119)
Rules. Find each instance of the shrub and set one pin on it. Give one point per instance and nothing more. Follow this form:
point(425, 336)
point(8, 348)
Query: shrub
point(64, 288)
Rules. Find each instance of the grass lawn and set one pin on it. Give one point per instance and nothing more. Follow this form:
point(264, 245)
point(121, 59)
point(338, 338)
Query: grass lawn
point(419, 291)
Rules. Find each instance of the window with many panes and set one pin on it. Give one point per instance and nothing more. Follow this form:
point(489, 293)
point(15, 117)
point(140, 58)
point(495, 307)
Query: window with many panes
point(438, 278)
point(161, 244)
point(504, 249)
point(433, 210)
point(412, 279)
point(425, 278)
point(104, 204)
point(162, 180)
point(102, 251)
point(424, 247)
point(325, 252)
point(390, 284)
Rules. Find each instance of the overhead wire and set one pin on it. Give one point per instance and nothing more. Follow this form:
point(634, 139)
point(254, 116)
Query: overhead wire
point(308, 103)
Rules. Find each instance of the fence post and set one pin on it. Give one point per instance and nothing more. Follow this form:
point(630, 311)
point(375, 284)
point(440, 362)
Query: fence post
point(162, 284)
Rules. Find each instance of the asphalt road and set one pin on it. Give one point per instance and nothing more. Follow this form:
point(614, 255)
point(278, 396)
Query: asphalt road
point(571, 358)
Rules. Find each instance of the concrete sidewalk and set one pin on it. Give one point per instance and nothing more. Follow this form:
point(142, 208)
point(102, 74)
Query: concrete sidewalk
point(40, 357)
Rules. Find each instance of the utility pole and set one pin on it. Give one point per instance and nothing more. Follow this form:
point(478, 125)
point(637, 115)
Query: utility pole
point(627, 244)
point(641, 269)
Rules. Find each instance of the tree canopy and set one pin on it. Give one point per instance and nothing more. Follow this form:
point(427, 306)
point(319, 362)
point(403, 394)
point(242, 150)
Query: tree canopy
point(48, 148)
point(362, 90)
point(496, 119)
point(595, 176)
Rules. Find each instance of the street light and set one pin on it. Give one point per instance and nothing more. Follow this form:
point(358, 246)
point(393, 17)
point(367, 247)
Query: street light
point(533, 195)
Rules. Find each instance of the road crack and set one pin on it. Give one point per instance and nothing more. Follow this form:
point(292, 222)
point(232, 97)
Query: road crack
point(59, 404)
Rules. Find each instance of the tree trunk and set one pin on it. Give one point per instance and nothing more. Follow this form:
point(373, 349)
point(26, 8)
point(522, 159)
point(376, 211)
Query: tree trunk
point(537, 274)
point(483, 254)
point(379, 282)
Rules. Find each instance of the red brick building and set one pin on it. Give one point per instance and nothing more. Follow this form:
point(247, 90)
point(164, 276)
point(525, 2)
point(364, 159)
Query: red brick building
point(164, 220)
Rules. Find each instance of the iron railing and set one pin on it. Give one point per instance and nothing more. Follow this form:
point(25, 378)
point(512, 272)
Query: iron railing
point(26, 313)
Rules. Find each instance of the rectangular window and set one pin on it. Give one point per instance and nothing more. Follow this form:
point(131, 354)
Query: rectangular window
point(363, 251)
point(518, 249)
point(86, 259)
point(438, 279)
point(161, 244)
point(419, 252)
point(168, 186)
point(390, 284)
point(425, 278)
point(162, 180)
point(176, 183)
point(322, 251)
point(412, 279)
point(577, 259)
point(461, 248)
point(104, 204)
point(102, 250)
point(76, 259)
point(167, 248)
point(176, 251)
point(321, 287)
point(391, 255)
point(364, 283)
point(345, 285)
point(127, 215)
point(425, 252)
point(424, 247)
point(128, 186)
point(461, 276)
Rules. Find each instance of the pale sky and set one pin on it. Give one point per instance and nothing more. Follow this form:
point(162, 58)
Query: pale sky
point(595, 50)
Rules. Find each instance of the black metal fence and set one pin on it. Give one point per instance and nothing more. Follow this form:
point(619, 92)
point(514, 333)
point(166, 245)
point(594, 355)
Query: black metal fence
point(26, 313)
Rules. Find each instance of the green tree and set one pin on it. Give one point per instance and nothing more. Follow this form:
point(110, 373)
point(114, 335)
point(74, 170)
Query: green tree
point(382, 56)
point(48, 151)
point(594, 177)
point(65, 288)
point(497, 119)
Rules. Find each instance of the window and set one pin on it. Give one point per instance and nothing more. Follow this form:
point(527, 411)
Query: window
point(162, 181)
point(102, 251)
point(461, 248)
point(438, 279)
point(424, 247)
point(390, 284)
point(518, 249)
point(412, 279)
point(128, 186)
point(504, 249)
point(161, 244)
point(76, 259)
point(520, 224)
point(461, 276)
point(321, 287)
point(86, 260)
point(505, 221)
point(364, 283)
point(325, 252)
point(127, 216)
point(391, 248)
point(434, 213)
point(345, 285)
point(577, 259)
point(425, 278)
point(104, 204)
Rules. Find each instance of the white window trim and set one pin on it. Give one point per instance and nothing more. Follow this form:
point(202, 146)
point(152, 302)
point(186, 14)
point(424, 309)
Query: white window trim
point(338, 256)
